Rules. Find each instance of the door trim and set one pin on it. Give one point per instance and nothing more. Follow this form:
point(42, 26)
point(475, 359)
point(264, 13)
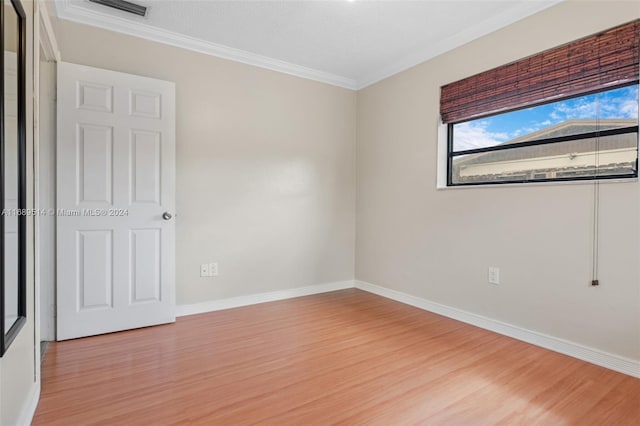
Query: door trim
point(48, 42)
point(48, 45)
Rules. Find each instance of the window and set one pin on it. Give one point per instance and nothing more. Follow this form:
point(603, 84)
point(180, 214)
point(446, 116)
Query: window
point(569, 113)
point(585, 137)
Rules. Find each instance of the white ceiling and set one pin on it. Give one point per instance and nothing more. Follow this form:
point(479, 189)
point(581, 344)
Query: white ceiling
point(346, 43)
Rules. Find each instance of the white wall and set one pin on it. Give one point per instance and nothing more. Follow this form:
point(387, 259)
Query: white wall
point(265, 166)
point(438, 244)
point(47, 197)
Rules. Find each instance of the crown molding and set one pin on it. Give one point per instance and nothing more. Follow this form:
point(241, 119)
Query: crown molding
point(483, 28)
point(67, 10)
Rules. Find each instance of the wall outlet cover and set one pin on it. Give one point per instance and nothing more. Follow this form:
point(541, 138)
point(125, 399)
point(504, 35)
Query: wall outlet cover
point(204, 270)
point(494, 275)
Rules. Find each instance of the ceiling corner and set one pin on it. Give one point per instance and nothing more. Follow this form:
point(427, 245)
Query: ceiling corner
point(66, 10)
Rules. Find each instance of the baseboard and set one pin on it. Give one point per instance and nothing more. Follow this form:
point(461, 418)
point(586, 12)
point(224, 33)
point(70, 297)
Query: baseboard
point(252, 299)
point(29, 408)
point(594, 356)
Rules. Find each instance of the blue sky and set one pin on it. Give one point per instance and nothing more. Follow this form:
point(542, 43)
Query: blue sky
point(617, 103)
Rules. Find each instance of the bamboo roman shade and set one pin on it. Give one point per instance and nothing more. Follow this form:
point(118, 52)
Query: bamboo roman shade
point(600, 61)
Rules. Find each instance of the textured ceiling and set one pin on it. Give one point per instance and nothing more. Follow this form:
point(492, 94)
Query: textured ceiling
point(348, 43)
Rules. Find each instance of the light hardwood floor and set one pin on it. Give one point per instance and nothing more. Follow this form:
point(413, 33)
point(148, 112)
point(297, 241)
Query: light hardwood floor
point(345, 357)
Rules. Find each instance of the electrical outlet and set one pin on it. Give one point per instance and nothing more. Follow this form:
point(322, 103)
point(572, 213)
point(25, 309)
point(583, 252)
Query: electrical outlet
point(204, 270)
point(494, 275)
point(213, 269)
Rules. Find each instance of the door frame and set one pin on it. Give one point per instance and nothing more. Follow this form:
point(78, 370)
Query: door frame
point(48, 46)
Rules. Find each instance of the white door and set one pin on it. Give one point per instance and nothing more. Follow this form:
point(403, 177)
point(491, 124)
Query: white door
point(115, 201)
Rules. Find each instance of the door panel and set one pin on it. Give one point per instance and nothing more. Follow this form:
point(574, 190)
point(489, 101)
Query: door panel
point(115, 179)
point(145, 167)
point(145, 104)
point(94, 97)
point(95, 155)
point(95, 275)
point(145, 271)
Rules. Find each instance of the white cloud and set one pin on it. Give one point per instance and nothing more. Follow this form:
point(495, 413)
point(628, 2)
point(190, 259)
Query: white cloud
point(629, 109)
point(623, 104)
point(577, 109)
point(472, 135)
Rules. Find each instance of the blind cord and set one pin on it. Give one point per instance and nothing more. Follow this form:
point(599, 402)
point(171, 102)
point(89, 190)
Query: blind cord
point(596, 203)
point(596, 232)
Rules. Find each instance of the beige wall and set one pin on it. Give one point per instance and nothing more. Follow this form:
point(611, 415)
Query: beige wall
point(265, 187)
point(265, 166)
point(19, 365)
point(438, 244)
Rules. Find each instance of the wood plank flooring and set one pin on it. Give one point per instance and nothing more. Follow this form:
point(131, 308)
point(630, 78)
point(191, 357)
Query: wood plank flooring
point(346, 357)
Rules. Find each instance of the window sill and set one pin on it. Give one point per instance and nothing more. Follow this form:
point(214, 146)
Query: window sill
point(529, 184)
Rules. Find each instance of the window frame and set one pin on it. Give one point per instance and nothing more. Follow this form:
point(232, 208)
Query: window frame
point(451, 154)
point(8, 336)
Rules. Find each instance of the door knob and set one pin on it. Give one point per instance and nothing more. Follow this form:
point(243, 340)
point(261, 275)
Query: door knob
point(166, 216)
